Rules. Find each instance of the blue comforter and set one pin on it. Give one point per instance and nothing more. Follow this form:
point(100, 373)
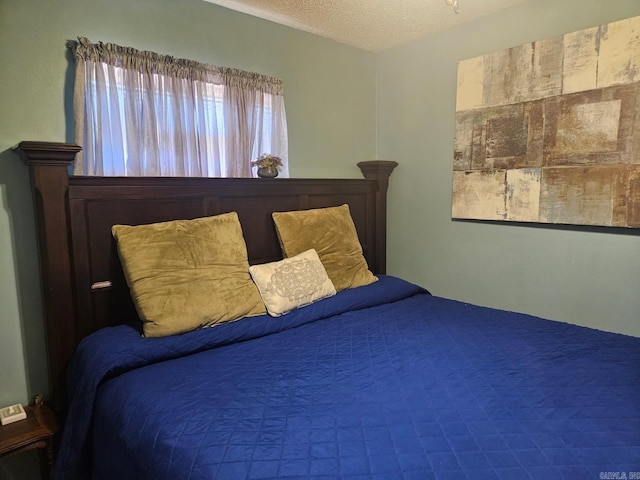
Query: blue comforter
point(383, 381)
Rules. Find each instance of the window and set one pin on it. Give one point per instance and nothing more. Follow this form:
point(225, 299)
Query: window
point(140, 113)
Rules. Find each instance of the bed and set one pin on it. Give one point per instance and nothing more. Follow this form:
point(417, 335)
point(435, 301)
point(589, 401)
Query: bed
point(383, 380)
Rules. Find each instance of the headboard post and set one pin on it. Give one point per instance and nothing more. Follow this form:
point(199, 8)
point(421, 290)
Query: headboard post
point(380, 171)
point(48, 168)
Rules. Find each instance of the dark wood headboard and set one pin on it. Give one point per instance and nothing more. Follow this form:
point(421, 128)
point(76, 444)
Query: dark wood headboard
point(83, 285)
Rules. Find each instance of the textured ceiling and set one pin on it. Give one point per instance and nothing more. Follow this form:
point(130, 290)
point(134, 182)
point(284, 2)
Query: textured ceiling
point(373, 25)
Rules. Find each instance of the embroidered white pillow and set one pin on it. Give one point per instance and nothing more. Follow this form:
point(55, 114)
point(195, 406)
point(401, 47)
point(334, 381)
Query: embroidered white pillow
point(292, 283)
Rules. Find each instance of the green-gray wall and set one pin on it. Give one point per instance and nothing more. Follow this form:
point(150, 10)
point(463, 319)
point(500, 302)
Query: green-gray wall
point(343, 105)
point(579, 275)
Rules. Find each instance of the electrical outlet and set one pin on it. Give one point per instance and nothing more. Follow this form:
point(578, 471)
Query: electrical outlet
point(12, 413)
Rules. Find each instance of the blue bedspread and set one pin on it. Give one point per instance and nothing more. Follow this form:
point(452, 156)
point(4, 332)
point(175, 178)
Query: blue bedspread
point(383, 381)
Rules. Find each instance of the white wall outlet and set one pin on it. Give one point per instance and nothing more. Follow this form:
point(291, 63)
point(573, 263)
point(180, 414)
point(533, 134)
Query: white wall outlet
point(12, 413)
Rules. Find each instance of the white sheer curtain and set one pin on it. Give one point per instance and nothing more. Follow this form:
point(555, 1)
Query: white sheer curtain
point(254, 117)
point(143, 114)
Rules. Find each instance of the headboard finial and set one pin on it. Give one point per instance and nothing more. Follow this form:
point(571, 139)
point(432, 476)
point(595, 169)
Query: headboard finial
point(47, 153)
point(377, 168)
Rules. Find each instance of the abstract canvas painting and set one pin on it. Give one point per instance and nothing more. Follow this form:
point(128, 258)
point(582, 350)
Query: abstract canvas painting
point(549, 131)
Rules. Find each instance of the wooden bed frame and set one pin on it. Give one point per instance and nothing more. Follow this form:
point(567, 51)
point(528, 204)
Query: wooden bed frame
point(82, 281)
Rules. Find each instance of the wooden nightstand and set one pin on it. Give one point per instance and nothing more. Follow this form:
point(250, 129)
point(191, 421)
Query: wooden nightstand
point(36, 431)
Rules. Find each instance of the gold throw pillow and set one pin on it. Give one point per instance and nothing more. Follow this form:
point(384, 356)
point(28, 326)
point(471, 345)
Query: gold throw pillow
point(186, 274)
point(330, 232)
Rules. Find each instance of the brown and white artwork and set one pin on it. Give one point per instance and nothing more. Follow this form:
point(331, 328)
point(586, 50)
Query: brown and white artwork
point(550, 131)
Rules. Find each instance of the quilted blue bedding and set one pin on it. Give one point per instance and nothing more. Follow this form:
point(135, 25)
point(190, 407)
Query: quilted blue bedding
point(382, 381)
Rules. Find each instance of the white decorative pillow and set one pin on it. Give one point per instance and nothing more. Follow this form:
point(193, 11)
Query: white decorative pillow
point(292, 282)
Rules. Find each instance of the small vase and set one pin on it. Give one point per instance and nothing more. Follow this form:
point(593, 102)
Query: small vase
point(267, 172)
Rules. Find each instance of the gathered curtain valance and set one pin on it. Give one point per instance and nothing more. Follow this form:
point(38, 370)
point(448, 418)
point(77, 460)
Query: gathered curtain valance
point(143, 113)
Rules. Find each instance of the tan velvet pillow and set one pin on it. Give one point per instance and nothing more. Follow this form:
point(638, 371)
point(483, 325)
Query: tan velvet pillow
point(330, 232)
point(187, 274)
point(292, 283)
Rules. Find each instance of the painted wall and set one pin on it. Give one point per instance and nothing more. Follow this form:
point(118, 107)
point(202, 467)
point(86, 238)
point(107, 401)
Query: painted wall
point(587, 276)
point(329, 96)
